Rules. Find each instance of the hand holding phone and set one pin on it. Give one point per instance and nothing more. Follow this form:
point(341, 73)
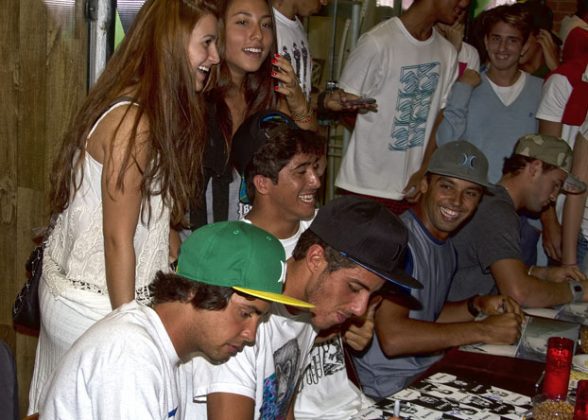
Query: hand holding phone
point(360, 101)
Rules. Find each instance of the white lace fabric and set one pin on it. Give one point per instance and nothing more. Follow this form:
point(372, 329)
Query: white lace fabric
point(76, 245)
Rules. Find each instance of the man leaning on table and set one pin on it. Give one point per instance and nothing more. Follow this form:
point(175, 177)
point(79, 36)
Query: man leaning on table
point(126, 365)
point(351, 249)
point(409, 341)
point(488, 247)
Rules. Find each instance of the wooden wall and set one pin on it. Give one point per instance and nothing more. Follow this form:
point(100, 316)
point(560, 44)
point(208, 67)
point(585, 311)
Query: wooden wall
point(42, 81)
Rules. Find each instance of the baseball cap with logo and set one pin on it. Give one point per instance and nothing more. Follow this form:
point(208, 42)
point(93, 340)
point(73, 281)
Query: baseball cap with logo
point(554, 151)
point(368, 234)
point(237, 255)
point(460, 159)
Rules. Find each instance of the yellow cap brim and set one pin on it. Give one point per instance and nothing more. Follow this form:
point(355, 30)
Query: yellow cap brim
point(275, 297)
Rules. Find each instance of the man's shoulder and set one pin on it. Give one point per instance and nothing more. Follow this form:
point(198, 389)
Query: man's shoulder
point(130, 331)
point(280, 316)
point(110, 348)
point(386, 30)
point(495, 212)
point(534, 84)
point(417, 229)
point(412, 222)
point(497, 200)
point(556, 80)
point(442, 42)
point(283, 20)
point(283, 326)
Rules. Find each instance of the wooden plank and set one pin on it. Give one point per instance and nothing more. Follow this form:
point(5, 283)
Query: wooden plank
point(32, 94)
point(9, 88)
point(66, 73)
point(50, 53)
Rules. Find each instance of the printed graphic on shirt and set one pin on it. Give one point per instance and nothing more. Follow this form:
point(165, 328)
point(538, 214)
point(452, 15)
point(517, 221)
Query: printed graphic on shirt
point(325, 360)
point(417, 87)
point(298, 56)
point(243, 209)
point(279, 387)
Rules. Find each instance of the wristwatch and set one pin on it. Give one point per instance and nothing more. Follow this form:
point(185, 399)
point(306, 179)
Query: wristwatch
point(577, 290)
point(475, 312)
point(331, 87)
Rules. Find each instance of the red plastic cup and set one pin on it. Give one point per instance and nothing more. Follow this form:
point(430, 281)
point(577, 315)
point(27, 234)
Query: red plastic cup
point(558, 364)
point(581, 409)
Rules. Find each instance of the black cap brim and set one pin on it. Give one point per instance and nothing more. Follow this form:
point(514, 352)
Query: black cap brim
point(397, 276)
point(400, 296)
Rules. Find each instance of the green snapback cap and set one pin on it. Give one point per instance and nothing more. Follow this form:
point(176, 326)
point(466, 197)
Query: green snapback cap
point(237, 255)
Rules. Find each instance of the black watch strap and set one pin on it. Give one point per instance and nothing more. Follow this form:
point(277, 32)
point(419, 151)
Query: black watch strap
point(475, 312)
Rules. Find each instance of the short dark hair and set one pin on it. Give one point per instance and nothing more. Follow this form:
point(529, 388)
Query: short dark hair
point(170, 287)
point(283, 144)
point(515, 15)
point(335, 261)
point(516, 163)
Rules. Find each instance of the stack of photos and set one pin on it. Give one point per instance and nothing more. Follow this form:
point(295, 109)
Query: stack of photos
point(574, 312)
point(445, 396)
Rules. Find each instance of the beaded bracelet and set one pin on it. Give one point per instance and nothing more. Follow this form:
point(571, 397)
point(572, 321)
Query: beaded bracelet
point(303, 117)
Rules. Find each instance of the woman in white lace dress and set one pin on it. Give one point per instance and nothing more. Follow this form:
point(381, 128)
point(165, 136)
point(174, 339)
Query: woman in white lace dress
point(125, 173)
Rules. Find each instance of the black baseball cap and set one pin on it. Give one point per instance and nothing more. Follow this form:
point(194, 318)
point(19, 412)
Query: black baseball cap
point(253, 133)
point(368, 234)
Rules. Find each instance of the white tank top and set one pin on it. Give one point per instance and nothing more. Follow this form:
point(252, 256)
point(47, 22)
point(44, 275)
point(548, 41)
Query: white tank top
point(75, 248)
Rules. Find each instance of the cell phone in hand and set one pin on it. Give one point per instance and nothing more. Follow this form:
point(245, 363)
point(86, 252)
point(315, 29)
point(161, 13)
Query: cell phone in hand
point(361, 101)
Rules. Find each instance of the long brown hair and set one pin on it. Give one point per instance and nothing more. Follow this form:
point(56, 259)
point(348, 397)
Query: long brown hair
point(153, 61)
point(258, 86)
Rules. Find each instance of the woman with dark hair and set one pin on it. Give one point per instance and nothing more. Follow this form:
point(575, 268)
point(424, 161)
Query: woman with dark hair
point(250, 78)
point(251, 71)
point(124, 174)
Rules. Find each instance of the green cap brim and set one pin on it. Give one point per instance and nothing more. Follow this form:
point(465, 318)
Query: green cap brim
point(275, 297)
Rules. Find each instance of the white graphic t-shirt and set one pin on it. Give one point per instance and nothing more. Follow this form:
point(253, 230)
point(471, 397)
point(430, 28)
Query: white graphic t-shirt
point(410, 80)
point(293, 44)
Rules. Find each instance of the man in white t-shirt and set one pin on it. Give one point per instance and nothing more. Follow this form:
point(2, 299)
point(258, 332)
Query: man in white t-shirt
point(261, 149)
point(126, 365)
point(352, 246)
point(281, 167)
point(408, 67)
point(291, 36)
